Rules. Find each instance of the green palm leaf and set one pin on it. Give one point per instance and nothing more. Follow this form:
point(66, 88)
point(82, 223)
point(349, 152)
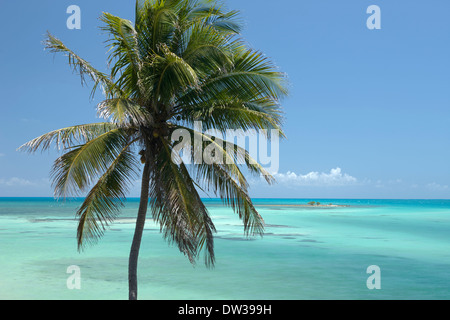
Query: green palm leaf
point(231, 154)
point(175, 75)
point(260, 115)
point(225, 178)
point(103, 202)
point(76, 170)
point(67, 137)
point(252, 76)
point(125, 113)
point(178, 208)
point(81, 66)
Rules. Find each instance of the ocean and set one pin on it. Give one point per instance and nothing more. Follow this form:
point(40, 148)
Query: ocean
point(364, 249)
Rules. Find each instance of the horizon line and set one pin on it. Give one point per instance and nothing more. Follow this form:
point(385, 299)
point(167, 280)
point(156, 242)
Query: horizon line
point(211, 198)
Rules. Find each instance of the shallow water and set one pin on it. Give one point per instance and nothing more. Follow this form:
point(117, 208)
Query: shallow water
point(306, 253)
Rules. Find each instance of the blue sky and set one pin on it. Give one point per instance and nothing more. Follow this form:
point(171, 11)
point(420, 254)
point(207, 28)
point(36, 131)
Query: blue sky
point(367, 116)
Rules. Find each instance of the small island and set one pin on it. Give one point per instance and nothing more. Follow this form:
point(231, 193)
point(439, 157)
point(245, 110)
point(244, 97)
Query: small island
point(313, 204)
point(318, 204)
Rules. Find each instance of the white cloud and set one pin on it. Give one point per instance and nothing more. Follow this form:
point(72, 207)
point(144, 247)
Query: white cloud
point(16, 182)
point(334, 178)
point(436, 187)
point(20, 182)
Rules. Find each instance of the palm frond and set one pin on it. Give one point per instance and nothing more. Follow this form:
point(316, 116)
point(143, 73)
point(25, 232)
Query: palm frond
point(177, 207)
point(175, 75)
point(122, 41)
point(230, 154)
point(68, 137)
point(124, 56)
point(261, 115)
point(76, 170)
point(125, 113)
point(226, 179)
point(212, 14)
point(207, 50)
point(219, 178)
point(155, 24)
point(247, 96)
point(252, 76)
point(103, 202)
point(82, 67)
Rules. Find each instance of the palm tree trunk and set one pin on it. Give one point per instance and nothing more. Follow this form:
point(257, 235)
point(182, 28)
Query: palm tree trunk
point(136, 244)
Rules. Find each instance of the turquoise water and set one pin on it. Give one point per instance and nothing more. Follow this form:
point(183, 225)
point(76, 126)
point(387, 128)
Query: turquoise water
point(306, 253)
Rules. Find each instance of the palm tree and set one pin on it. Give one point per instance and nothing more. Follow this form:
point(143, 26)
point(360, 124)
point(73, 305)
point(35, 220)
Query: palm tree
point(181, 61)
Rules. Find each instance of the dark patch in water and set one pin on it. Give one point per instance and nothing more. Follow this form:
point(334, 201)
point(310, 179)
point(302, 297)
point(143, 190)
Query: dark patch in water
point(310, 240)
point(285, 234)
point(37, 220)
point(235, 238)
point(277, 226)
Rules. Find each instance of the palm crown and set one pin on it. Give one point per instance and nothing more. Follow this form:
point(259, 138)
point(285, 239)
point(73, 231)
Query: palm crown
point(180, 61)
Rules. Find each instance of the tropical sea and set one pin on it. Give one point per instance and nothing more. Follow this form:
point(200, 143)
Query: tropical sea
point(305, 253)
